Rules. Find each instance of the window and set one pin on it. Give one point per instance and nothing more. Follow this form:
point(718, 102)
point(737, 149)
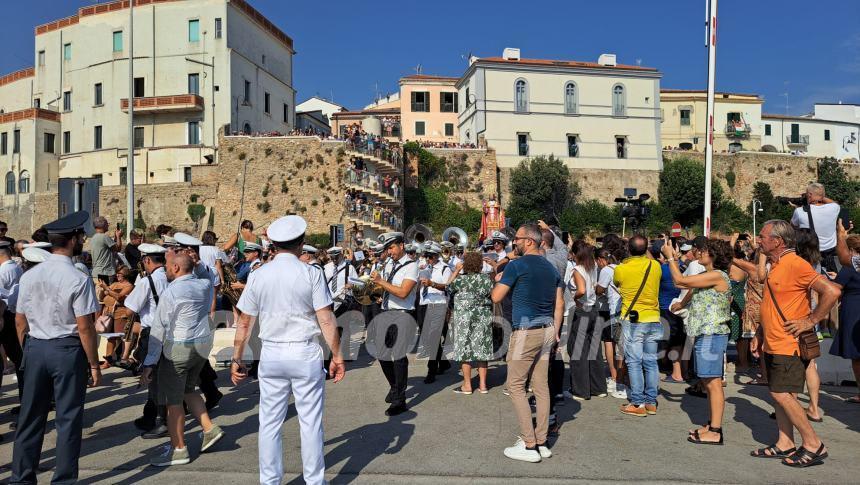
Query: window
point(37, 103)
point(523, 144)
point(619, 107)
point(138, 137)
point(193, 132)
point(766, 130)
point(420, 102)
point(49, 143)
point(448, 102)
point(16, 141)
point(286, 113)
point(468, 100)
point(247, 92)
point(67, 101)
point(97, 137)
point(24, 182)
point(4, 143)
point(194, 83)
point(266, 106)
point(193, 31)
point(570, 104)
point(41, 58)
point(826, 135)
point(123, 175)
point(419, 127)
point(67, 141)
point(139, 85)
point(117, 41)
point(246, 128)
point(685, 117)
point(572, 146)
point(97, 94)
point(264, 59)
point(620, 147)
point(449, 129)
point(218, 28)
point(67, 52)
point(186, 174)
point(521, 96)
point(10, 183)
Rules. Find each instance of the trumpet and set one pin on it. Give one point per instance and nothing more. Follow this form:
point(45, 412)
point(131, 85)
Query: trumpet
point(365, 291)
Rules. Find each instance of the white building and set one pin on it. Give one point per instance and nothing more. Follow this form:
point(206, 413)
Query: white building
point(811, 136)
point(199, 66)
point(597, 115)
point(316, 103)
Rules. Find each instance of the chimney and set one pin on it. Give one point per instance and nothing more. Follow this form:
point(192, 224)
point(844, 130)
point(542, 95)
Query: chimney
point(511, 54)
point(606, 60)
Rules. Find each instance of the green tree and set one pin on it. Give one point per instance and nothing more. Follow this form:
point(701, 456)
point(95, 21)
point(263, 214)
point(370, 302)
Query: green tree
point(682, 189)
point(541, 188)
point(659, 219)
point(590, 215)
point(729, 218)
point(770, 207)
point(837, 185)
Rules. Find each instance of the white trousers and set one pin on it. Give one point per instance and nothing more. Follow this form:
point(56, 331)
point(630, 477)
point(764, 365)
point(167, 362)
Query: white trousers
point(297, 368)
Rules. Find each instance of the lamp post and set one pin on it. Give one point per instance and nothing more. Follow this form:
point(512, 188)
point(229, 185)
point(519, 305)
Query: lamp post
point(754, 203)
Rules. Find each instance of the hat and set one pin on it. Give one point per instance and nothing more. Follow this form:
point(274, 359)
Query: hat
point(287, 228)
point(307, 248)
point(411, 248)
point(446, 244)
point(390, 238)
point(168, 241)
point(147, 248)
point(35, 255)
point(499, 236)
point(252, 246)
point(335, 251)
point(76, 221)
point(39, 244)
point(186, 239)
point(432, 248)
point(686, 247)
point(4, 244)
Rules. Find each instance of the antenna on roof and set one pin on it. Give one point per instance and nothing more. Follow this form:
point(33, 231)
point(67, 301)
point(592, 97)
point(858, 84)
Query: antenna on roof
point(638, 62)
point(466, 57)
point(785, 83)
point(418, 69)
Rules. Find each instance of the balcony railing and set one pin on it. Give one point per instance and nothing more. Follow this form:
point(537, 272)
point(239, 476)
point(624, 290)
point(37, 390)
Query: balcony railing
point(165, 104)
point(738, 129)
point(373, 149)
point(375, 182)
point(374, 214)
point(797, 140)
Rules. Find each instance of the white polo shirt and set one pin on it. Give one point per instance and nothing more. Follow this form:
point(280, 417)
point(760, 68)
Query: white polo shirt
point(337, 277)
point(438, 273)
point(396, 273)
point(285, 294)
point(141, 299)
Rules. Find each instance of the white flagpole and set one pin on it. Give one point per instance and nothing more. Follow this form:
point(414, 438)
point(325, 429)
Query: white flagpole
point(129, 225)
point(711, 42)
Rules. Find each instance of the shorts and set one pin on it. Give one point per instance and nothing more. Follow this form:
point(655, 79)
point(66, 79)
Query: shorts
point(607, 323)
point(710, 355)
point(677, 333)
point(785, 373)
point(178, 372)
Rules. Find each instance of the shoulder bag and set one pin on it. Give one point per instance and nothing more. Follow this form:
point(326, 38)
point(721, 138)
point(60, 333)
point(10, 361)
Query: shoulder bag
point(631, 314)
point(807, 341)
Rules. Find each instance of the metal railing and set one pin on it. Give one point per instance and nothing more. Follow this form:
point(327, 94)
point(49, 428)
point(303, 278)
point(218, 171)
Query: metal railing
point(374, 214)
point(797, 139)
point(374, 181)
point(381, 151)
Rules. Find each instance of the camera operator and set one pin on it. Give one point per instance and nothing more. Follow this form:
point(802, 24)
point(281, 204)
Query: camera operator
point(819, 214)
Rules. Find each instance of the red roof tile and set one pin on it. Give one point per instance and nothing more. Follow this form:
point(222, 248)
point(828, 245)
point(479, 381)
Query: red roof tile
point(14, 76)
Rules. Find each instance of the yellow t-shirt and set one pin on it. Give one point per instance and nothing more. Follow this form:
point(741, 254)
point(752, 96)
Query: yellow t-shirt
point(628, 278)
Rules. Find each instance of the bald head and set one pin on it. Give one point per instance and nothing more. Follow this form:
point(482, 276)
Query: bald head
point(180, 264)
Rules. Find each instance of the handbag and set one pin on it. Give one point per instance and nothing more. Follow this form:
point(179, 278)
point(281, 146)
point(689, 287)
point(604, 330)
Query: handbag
point(807, 341)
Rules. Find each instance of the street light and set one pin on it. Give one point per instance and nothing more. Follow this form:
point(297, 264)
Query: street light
point(754, 203)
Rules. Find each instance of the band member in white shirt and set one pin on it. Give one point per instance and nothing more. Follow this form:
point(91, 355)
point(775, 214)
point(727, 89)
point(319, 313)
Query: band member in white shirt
point(309, 256)
point(291, 318)
point(433, 310)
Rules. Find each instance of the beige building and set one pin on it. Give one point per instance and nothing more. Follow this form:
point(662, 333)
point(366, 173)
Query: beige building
point(429, 106)
point(591, 114)
point(737, 120)
point(199, 66)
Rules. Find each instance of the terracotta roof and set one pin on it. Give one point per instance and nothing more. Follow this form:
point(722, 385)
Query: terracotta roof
point(429, 77)
point(549, 62)
point(704, 91)
point(15, 76)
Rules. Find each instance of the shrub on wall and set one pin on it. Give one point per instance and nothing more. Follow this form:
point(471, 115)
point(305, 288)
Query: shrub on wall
point(541, 188)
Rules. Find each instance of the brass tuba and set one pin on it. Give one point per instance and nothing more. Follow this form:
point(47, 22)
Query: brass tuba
point(227, 290)
point(456, 236)
point(367, 291)
point(418, 234)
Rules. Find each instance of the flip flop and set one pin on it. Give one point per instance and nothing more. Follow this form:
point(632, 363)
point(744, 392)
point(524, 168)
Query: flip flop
point(672, 380)
point(460, 390)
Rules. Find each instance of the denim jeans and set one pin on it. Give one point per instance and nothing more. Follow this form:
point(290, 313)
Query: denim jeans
point(640, 353)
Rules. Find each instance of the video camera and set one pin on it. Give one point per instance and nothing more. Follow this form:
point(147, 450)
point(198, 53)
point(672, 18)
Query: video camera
point(633, 209)
point(795, 201)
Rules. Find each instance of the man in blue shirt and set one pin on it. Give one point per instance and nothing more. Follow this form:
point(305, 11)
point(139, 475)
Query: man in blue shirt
point(538, 310)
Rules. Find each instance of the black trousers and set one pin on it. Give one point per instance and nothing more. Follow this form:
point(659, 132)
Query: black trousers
point(151, 410)
point(584, 346)
point(392, 354)
point(57, 368)
point(9, 341)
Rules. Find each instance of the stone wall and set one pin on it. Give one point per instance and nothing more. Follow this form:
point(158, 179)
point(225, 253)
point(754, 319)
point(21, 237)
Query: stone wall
point(19, 215)
point(159, 204)
point(473, 171)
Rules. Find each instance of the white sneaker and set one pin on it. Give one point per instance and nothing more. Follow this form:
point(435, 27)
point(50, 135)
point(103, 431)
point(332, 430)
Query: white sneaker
point(577, 398)
point(619, 393)
point(544, 451)
point(610, 384)
point(519, 452)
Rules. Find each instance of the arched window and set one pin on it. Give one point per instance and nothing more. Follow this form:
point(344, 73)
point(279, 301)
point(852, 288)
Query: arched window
point(10, 183)
point(570, 95)
point(619, 103)
point(24, 182)
point(247, 129)
point(521, 96)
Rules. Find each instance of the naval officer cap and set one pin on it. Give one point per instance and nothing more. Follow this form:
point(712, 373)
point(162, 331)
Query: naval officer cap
point(147, 248)
point(186, 239)
point(286, 229)
point(432, 248)
point(446, 244)
point(38, 244)
point(252, 246)
point(390, 238)
point(499, 236)
point(335, 251)
point(307, 248)
point(35, 255)
point(74, 222)
point(169, 241)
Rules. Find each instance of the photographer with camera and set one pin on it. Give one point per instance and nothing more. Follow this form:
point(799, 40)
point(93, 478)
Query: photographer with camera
point(818, 213)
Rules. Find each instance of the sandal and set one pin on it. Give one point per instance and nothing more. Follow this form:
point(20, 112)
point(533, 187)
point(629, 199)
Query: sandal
point(758, 381)
point(772, 452)
point(803, 458)
point(853, 399)
point(696, 439)
point(460, 390)
point(483, 391)
point(706, 425)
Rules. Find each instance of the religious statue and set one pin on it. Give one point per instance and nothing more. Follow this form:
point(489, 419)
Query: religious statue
point(493, 217)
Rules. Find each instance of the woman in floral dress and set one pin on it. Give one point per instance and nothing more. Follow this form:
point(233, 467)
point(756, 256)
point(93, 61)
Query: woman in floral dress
point(471, 320)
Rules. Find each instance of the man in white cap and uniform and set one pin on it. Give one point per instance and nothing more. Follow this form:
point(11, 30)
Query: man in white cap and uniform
point(291, 318)
point(395, 325)
point(309, 256)
point(54, 320)
point(143, 300)
point(433, 310)
point(338, 273)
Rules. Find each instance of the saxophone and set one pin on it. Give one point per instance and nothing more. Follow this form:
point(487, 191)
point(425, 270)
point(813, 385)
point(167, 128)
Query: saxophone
point(227, 290)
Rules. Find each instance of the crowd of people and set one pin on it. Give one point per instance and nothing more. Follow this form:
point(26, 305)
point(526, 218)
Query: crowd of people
point(622, 310)
point(360, 173)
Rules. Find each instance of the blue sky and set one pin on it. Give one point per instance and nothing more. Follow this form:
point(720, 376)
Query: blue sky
point(809, 49)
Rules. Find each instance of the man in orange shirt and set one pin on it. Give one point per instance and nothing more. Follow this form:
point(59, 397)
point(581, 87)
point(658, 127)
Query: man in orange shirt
point(788, 288)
